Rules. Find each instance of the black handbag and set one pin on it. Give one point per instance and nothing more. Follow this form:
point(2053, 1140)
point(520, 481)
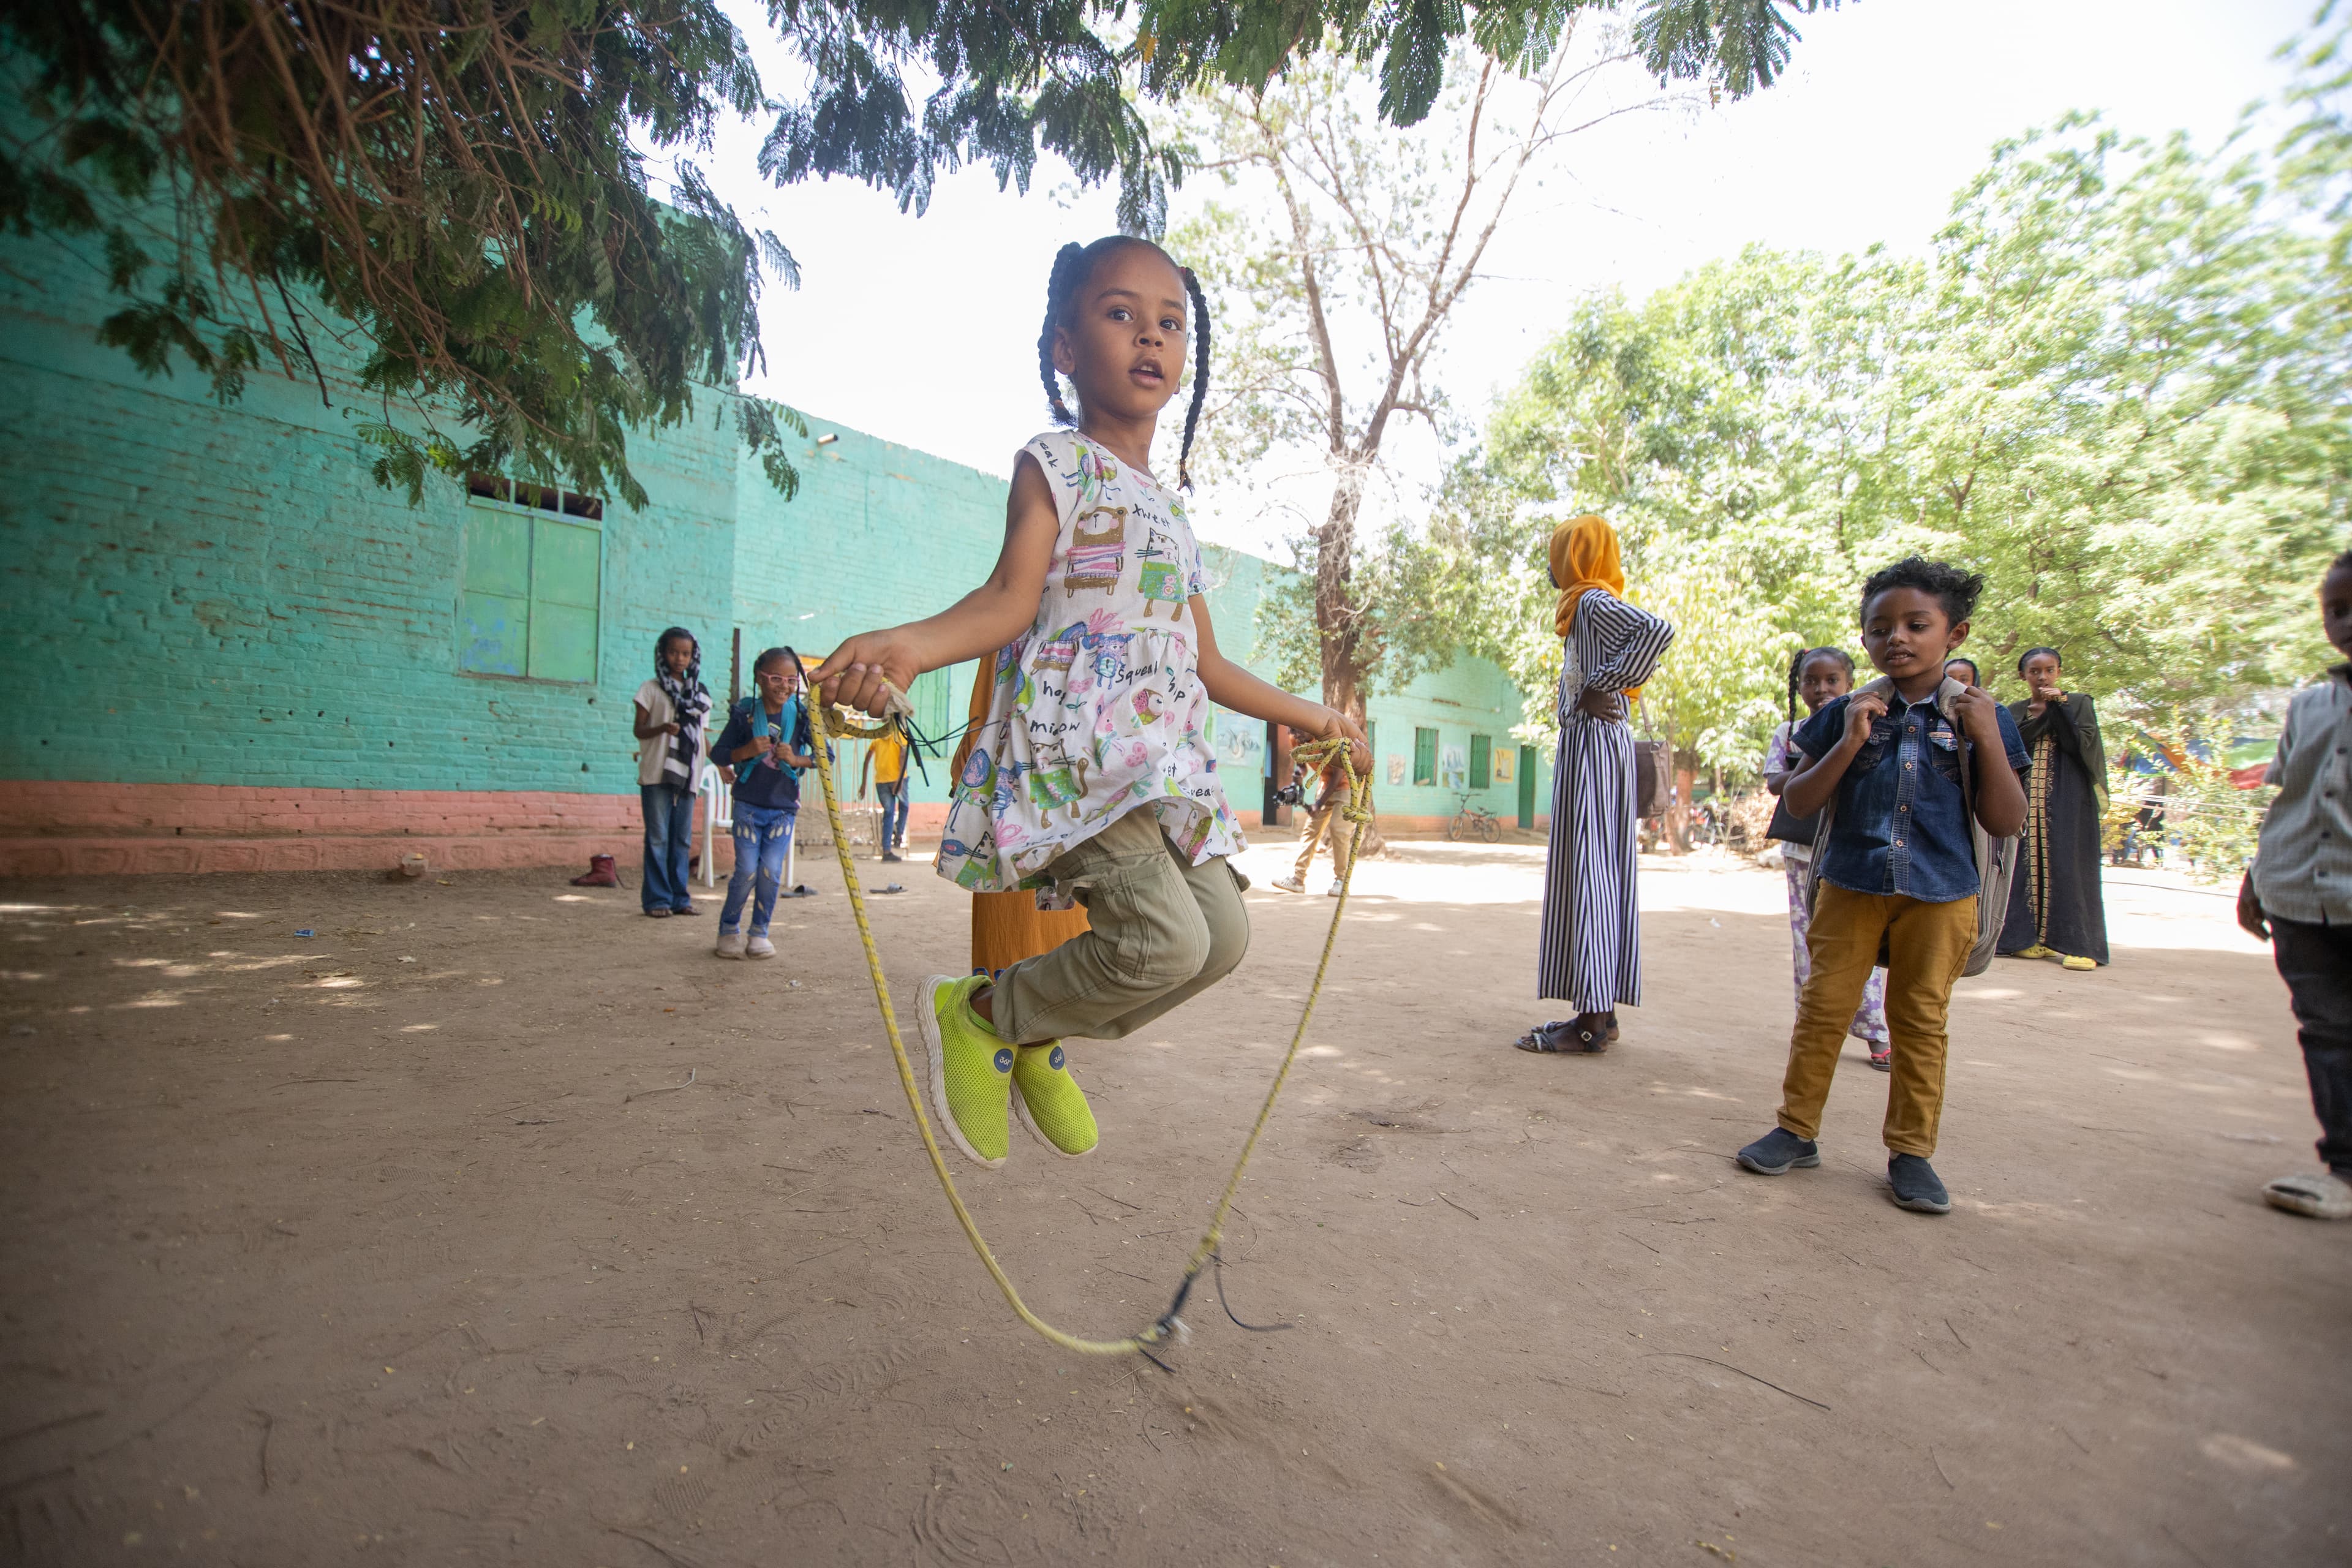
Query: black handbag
point(1791, 828)
point(1653, 773)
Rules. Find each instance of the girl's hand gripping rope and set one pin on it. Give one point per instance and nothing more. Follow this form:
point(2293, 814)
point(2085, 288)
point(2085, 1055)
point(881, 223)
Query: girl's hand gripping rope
point(870, 672)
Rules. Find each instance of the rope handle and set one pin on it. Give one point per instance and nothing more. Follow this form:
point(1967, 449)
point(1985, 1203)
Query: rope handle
point(828, 720)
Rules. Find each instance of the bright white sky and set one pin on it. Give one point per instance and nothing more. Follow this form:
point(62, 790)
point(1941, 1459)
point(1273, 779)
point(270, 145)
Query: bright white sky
point(922, 331)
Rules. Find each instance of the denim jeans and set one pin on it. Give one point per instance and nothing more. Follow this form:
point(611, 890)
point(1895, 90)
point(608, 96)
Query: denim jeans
point(2315, 961)
point(893, 797)
point(669, 839)
point(764, 836)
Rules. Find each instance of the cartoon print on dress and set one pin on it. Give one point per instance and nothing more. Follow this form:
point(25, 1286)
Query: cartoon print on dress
point(1098, 549)
point(1161, 581)
point(1113, 725)
point(1095, 471)
point(1059, 651)
point(979, 771)
point(1059, 784)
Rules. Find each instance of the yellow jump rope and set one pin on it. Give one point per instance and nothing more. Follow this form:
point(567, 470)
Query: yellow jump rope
point(1168, 1325)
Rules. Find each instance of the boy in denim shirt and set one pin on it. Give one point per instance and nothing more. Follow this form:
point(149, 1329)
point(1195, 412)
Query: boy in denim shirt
point(1899, 867)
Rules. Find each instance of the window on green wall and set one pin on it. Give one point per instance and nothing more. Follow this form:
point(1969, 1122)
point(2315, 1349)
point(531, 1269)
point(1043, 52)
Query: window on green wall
point(529, 605)
point(1424, 756)
point(933, 699)
point(1481, 760)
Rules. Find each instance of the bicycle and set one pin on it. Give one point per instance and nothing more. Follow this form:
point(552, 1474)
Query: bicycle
point(1474, 819)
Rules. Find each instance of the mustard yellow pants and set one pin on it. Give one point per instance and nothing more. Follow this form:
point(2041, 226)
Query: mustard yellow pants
point(1926, 947)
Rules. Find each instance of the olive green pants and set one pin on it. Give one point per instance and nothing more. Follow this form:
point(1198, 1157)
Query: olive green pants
point(1926, 947)
point(1162, 930)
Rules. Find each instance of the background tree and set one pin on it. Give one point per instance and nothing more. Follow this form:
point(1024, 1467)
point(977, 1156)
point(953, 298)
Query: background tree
point(2118, 385)
point(463, 183)
point(1340, 256)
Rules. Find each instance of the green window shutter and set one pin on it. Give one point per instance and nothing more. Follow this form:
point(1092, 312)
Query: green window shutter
point(565, 560)
point(494, 610)
point(1481, 759)
point(533, 584)
point(930, 697)
point(1424, 756)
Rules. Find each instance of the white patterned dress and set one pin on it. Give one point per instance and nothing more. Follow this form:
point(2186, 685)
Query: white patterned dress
point(1097, 709)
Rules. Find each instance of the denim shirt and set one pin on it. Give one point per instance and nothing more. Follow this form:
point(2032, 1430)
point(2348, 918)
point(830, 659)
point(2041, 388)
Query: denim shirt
point(1901, 826)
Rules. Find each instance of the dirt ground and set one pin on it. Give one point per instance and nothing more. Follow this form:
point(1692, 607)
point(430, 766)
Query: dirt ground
point(402, 1240)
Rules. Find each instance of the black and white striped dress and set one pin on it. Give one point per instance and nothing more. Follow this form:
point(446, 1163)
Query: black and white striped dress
point(1589, 952)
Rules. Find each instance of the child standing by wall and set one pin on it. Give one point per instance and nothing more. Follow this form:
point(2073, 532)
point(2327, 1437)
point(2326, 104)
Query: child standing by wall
point(671, 709)
point(886, 766)
point(2297, 895)
point(767, 741)
point(1899, 868)
point(1091, 777)
point(1819, 674)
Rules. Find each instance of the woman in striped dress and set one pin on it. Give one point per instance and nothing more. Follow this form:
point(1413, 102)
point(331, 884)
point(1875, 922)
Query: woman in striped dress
point(1590, 952)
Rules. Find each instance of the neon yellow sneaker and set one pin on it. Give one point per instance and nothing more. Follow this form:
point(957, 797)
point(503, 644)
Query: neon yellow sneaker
point(1049, 1101)
point(971, 1069)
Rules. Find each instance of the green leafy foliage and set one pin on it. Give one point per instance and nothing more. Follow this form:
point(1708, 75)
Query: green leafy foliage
point(455, 195)
point(2120, 386)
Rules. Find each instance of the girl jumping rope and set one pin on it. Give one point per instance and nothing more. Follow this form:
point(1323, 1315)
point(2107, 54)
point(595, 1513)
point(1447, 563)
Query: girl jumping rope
point(1090, 777)
point(1819, 674)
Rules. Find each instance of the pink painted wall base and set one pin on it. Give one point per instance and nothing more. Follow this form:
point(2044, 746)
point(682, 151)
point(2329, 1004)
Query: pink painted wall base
point(75, 827)
point(50, 829)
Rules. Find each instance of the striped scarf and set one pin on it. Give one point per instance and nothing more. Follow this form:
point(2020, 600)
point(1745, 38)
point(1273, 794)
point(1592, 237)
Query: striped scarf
point(691, 704)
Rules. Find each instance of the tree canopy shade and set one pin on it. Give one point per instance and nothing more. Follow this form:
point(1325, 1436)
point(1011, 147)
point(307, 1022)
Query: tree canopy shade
point(465, 183)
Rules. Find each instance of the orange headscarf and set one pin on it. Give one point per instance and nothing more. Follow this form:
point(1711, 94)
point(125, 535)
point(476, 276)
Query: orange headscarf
point(1584, 556)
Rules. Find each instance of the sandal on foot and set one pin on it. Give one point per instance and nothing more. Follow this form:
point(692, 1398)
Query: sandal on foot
point(2074, 961)
point(2036, 951)
point(1563, 1038)
point(1883, 1060)
point(2322, 1194)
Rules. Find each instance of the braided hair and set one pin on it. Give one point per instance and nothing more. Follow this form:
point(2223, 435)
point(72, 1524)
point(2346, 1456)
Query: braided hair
point(1073, 265)
point(1805, 656)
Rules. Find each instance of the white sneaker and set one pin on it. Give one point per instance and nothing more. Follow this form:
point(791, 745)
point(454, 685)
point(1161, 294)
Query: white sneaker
point(1290, 884)
point(2321, 1194)
point(760, 947)
point(1333, 891)
point(730, 944)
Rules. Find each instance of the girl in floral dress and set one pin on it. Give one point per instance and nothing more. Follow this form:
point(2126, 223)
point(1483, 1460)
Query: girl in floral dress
point(1090, 777)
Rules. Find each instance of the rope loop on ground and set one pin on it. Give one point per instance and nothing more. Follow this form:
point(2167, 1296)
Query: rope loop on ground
point(1170, 1325)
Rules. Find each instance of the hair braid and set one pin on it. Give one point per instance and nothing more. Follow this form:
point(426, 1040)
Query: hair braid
point(1199, 374)
point(1066, 264)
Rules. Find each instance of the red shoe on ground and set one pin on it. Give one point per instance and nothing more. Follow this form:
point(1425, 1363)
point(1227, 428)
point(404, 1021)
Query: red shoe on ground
point(601, 873)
